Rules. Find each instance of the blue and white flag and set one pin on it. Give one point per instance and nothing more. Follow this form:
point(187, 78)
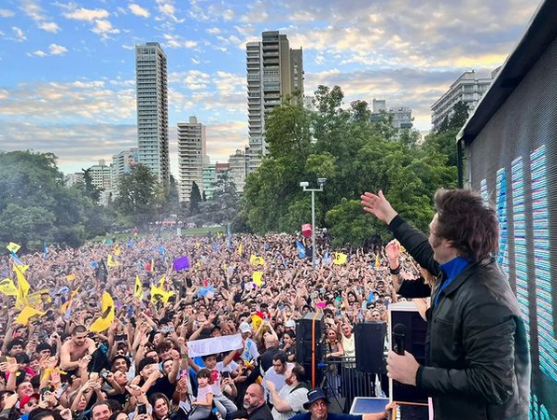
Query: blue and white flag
point(301, 249)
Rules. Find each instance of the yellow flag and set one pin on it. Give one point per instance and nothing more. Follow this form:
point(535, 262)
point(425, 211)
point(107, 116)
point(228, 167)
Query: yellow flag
point(152, 265)
point(22, 288)
point(138, 289)
point(377, 260)
point(35, 299)
point(197, 244)
point(7, 287)
point(117, 250)
point(258, 278)
point(70, 277)
point(107, 315)
point(256, 321)
point(255, 260)
point(13, 247)
point(26, 314)
point(161, 282)
point(240, 249)
point(158, 293)
point(340, 258)
point(112, 262)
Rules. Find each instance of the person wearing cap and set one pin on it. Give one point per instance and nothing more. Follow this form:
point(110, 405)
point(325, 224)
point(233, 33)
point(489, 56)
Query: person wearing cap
point(318, 407)
point(250, 347)
point(28, 403)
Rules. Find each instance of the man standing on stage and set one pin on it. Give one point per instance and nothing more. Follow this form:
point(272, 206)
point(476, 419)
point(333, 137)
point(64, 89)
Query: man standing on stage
point(478, 361)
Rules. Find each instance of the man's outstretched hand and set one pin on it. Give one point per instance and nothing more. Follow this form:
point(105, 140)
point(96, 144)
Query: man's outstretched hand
point(378, 206)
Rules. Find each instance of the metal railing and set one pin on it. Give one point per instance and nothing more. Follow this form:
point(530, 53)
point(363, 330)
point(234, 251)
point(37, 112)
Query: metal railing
point(342, 382)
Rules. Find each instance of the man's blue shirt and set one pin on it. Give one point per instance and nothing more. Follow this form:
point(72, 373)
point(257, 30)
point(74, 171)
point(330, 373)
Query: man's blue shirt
point(451, 270)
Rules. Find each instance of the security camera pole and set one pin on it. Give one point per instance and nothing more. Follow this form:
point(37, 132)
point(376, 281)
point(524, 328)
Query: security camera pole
point(321, 182)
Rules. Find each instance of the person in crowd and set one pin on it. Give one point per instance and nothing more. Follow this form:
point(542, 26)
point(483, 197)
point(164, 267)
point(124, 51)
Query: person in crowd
point(290, 399)
point(255, 406)
point(161, 409)
point(317, 406)
point(203, 403)
point(145, 350)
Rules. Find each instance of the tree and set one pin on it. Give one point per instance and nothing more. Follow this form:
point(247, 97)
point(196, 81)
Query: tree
point(36, 206)
point(355, 155)
point(195, 198)
point(460, 115)
point(140, 197)
point(90, 190)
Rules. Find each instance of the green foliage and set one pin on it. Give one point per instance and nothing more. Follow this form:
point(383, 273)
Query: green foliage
point(140, 197)
point(35, 206)
point(195, 198)
point(355, 155)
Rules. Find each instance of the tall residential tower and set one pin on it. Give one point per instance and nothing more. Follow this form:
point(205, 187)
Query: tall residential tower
point(192, 156)
point(152, 109)
point(273, 72)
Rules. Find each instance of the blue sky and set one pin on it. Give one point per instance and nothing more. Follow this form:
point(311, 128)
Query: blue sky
point(68, 68)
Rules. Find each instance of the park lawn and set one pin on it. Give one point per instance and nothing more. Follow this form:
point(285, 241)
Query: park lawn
point(165, 234)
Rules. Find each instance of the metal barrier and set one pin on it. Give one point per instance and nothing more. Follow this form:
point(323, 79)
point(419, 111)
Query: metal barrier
point(342, 382)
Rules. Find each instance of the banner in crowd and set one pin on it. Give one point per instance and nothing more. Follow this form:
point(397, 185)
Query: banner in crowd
point(215, 345)
point(182, 263)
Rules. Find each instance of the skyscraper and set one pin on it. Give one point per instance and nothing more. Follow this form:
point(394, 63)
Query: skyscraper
point(152, 109)
point(122, 164)
point(192, 155)
point(273, 71)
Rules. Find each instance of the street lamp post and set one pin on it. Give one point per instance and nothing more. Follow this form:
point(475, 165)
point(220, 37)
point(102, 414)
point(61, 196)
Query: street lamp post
point(321, 182)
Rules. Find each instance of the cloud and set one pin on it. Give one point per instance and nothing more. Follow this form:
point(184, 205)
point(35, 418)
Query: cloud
point(213, 31)
point(5, 13)
point(36, 13)
point(104, 27)
point(38, 53)
point(68, 102)
point(88, 15)
point(138, 10)
point(49, 27)
point(56, 49)
point(168, 11)
point(33, 10)
point(76, 145)
point(175, 41)
point(20, 36)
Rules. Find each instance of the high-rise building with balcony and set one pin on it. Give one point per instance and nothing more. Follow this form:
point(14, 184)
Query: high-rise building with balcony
point(152, 109)
point(468, 88)
point(122, 164)
point(274, 70)
point(192, 156)
point(237, 172)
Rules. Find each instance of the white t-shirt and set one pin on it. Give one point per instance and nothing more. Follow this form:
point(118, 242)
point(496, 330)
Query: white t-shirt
point(278, 379)
point(296, 399)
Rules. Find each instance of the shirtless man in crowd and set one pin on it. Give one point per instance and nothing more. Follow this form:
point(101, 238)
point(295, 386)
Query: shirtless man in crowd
point(76, 349)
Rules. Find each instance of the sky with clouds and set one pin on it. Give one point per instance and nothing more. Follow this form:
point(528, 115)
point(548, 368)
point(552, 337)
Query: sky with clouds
point(67, 80)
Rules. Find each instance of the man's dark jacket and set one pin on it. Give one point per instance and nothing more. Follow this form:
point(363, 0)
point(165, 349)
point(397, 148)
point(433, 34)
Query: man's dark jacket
point(479, 362)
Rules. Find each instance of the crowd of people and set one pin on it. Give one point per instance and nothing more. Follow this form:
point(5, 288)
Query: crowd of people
point(213, 339)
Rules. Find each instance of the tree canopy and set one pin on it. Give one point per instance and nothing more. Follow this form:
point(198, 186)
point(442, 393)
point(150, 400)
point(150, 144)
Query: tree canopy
point(355, 155)
point(36, 206)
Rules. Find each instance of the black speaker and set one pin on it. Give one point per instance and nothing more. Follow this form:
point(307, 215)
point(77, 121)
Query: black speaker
point(304, 338)
point(370, 347)
point(309, 346)
point(406, 313)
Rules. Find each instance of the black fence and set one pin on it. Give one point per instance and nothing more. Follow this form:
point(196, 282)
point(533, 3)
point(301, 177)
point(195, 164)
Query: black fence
point(342, 382)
